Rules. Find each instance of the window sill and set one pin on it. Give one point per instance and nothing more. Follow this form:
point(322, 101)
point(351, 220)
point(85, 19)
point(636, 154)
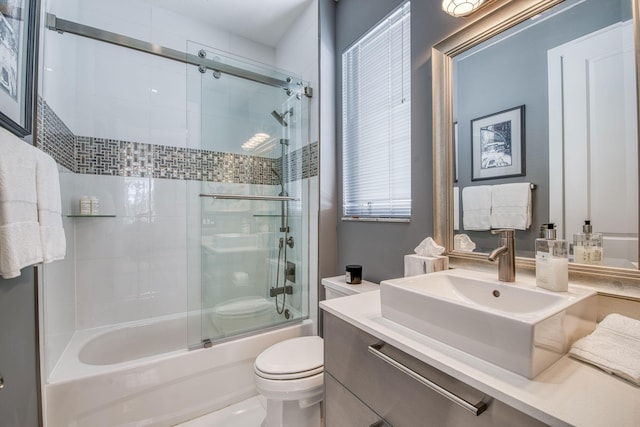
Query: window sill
point(374, 219)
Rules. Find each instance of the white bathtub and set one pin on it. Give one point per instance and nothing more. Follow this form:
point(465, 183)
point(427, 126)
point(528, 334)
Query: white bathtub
point(142, 375)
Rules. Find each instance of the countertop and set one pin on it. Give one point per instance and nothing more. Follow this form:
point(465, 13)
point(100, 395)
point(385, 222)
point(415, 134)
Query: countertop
point(567, 393)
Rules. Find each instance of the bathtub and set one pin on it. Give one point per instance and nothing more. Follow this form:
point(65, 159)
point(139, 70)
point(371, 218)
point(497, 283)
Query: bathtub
point(142, 375)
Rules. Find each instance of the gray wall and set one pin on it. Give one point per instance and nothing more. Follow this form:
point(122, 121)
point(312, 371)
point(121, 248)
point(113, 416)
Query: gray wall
point(20, 398)
point(379, 247)
point(513, 73)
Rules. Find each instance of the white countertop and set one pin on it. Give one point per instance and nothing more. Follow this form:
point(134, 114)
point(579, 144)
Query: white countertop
point(339, 283)
point(567, 393)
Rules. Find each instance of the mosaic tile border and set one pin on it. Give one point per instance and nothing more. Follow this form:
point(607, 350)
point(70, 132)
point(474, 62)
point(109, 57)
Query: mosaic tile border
point(54, 137)
point(100, 156)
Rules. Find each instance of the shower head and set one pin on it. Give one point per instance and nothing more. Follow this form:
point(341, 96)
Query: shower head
point(280, 116)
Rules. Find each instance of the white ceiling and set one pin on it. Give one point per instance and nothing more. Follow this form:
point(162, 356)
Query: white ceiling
point(263, 21)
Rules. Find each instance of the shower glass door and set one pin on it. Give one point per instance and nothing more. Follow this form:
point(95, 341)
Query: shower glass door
point(248, 232)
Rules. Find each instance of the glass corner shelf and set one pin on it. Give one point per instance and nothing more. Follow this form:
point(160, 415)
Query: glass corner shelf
point(90, 216)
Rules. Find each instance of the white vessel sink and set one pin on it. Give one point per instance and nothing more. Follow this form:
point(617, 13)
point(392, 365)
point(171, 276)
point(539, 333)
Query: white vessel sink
point(516, 326)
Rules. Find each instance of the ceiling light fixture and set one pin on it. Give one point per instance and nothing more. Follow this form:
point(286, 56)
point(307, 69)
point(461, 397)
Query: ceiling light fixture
point(459, 8)
point(255, 141)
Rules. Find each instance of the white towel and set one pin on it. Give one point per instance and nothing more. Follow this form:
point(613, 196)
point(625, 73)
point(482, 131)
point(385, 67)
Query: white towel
point(613, 347)
point(511, 206)
point(456, 208)
point(476, 207)
point(20, 244)
point(416, 264)
point(49, 208)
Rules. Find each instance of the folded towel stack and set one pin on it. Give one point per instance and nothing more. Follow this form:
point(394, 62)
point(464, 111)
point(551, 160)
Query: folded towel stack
point(613, 347)
point(30, 209)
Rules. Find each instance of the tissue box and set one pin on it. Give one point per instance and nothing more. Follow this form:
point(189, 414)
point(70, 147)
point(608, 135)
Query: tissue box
point(416, 264)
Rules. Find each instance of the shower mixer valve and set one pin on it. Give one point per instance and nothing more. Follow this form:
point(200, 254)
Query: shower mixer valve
point(290, 242)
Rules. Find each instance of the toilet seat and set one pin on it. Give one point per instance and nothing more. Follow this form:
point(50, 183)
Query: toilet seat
point(292, 359)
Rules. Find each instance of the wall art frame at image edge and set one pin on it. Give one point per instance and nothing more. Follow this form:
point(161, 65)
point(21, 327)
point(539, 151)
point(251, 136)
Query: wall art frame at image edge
point(18, 39)
point(498, 145)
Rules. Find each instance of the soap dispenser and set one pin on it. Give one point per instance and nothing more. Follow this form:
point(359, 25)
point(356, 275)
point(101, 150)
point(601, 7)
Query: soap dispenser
point(587, 246)
point(552, 264)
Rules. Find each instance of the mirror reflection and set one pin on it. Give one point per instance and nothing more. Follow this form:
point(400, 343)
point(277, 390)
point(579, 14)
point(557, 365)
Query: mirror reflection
point(545, 128)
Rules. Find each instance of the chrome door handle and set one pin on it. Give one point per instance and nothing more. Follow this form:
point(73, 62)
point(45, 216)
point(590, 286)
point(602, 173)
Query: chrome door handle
point(1, 381)
point(476, 409)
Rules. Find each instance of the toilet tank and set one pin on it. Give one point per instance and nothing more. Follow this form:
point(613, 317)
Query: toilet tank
point(335, 287)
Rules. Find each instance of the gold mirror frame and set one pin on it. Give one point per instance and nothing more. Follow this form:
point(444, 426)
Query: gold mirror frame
point(491, 20)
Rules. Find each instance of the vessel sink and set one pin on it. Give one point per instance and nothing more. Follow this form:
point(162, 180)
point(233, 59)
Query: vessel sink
point(516, 326)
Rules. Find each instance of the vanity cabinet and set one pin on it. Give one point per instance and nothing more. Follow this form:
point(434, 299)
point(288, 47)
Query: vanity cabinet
point(370, 383)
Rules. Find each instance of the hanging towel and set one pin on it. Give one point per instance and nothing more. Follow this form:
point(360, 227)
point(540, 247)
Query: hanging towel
point(476, 208)
point(49, 208)
point(456, 208)
point(20, 244)
point(511, 206)
point(613, 347)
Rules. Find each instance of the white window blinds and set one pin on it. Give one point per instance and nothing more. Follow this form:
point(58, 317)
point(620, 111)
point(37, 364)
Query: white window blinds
point(376, 121)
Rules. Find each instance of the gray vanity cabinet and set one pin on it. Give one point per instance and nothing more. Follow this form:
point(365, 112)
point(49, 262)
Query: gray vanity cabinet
point(370, 383)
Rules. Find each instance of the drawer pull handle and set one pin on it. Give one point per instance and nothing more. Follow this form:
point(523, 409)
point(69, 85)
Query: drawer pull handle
point(378, 423)
point(475, 409)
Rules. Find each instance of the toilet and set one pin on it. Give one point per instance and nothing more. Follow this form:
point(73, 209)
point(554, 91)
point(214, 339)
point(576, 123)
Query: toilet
point(289, 374)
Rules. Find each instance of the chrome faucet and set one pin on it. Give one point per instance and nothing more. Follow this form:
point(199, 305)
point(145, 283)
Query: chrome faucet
point(505, 254)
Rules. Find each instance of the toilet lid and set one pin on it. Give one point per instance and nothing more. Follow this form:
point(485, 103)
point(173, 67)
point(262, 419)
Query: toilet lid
point(292, 358)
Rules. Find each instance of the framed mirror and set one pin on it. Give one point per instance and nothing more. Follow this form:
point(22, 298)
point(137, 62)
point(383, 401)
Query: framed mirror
point(481, 72)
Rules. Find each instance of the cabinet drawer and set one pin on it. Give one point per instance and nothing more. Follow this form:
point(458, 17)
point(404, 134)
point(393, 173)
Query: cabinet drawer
point(400, 388)
point(343, 409)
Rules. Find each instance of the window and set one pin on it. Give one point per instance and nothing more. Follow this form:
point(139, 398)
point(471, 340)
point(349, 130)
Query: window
point(376, 121)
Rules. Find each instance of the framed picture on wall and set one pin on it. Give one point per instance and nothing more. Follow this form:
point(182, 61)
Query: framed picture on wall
point(497, 144)
point(18, 29)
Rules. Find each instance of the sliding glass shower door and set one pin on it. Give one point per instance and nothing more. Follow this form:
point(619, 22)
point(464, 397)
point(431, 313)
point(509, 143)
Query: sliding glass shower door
point(248, 241)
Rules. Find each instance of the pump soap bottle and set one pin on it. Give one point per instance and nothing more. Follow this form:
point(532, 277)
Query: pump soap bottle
point(587, 246)
point(552, 264)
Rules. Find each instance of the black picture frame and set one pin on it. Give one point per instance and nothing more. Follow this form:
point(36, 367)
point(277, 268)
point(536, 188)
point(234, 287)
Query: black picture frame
point(19, 31)
point(498, 145)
